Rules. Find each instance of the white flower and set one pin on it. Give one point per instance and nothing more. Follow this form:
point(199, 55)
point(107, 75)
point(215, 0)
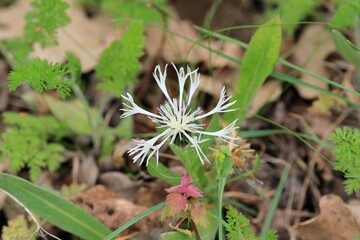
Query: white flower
point(179, 121)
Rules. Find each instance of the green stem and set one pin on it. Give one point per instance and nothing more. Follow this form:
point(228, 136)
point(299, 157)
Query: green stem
point(94, 133)
point(5, 52)
point(221, 186)
point(274, 203)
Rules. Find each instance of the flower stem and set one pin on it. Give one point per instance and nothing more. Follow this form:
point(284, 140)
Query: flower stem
point(94, 132)
point(195, 230)
point(221, 186)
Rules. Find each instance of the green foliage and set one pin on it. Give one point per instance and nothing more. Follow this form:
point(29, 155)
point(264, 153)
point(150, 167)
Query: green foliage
point(27, 142)
point(258, 62)
point(345, 15)
point(92, 4)
point(129, 10)
point(72, 113)
point(271, 235)
point(74, 67)
point(237, 227)
point(347, 49)
point(347, 152)
point(42, 76)
point(44, 20)
point(19, 228)
point(53, 208)
point(73, 189)
point(119, 63)
point(293, 11)
point(17, 51)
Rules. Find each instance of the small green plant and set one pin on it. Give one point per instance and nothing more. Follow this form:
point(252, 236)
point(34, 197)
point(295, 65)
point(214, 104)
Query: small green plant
point(19, 228)
point(43, 21)
point(119, 63)
point(347, 152)
point(32, 142)
point(117, 68)
point(42, 76)
point(35, 143)
point(292, 12)
point(346, 14)
point(237, 227)
point(128, 10)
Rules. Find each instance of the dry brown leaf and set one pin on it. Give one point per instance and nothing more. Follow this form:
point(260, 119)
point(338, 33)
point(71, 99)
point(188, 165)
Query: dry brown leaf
point(114, 211)
point(119, 183)
point(121, 148)
point(319, 123)
point(348, 76)
point(269, 92)
point(84, 37)
point(12, 19)
point(178, 44)
point(314, 46)
point(88, 171)
point(212, 59)
point(177, 48)
point(336, 221)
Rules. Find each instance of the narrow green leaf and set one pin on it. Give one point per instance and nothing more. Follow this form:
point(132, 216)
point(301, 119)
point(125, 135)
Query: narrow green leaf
point(134, 220)
point(277, 75)
point(53, 208)
point(345, 15)
point(71, 112)
point(346, 48)
point(162, 172)
point(274, 203)
point(176, 236)
point(258, 62)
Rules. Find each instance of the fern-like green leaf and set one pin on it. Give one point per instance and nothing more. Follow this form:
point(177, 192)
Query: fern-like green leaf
point(119, 64)
point(43, 21)
point(237, 225)
point(345, 15)
point(74, 66)
point(30, 142)
point(129, 10)
point(347, 153)
point(42, 76)
point(19, 228)
point(271, 235)
point(352, 184)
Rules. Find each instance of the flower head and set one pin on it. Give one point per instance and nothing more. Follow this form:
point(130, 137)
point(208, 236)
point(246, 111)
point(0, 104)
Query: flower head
point(184, 200)
point(179, 121)
point(185, 188)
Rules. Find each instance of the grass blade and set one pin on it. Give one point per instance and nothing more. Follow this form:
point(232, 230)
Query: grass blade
point(280, 60)
point(134, 220)
point(257, 65)
point(274, 203)
point(348, 50)
point(53, 208)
